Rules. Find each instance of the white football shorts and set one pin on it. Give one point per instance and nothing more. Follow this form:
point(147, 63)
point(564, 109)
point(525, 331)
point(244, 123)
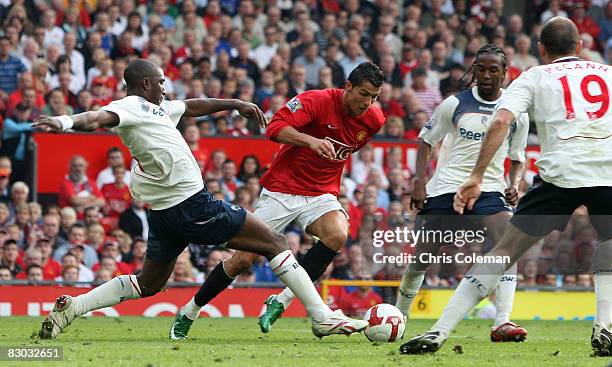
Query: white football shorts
point(278, 209)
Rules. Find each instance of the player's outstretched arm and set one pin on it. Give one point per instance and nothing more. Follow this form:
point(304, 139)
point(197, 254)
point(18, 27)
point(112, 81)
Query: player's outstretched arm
point(205, 106)
point(86, 121)
point(419, 194)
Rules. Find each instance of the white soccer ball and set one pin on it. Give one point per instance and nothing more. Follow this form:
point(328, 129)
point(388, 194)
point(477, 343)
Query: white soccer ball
point(387, 323)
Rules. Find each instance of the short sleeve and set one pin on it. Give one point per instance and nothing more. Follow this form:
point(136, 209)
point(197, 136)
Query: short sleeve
point(441, 122)
point(518, 98)
point(297, 113)
point(129, 109)
point(174, 109)
point(518, 138)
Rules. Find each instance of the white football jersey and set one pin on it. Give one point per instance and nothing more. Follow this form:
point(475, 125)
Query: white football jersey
point(166, 173)
point(569, 100)
point(462, 121)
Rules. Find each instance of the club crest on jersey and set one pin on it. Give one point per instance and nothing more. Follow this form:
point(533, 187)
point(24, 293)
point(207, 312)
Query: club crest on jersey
point(342, 150)
point(429, 124)
point(361, 135)
point(294, 104)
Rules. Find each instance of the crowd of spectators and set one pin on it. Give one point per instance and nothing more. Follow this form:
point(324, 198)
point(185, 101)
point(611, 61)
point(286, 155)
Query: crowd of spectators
point(68, 56)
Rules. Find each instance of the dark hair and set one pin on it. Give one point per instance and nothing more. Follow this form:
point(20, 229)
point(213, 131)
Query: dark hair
point(139, 31)
point(32, 266)
point(76, 226)
point(8, 242)
point(559, 37)
point(242, 175)
point(488, 49)
point(112, 150)
point(62, 59)
point(6, 267)
point(367, 72)
point(187, 61)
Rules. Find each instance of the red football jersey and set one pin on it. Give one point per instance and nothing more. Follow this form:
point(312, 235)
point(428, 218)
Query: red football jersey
point(117, 199)
point(358, 305)
point(318, 113)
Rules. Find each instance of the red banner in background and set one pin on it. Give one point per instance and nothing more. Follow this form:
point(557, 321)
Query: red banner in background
point(55, 150)
point(235, 302)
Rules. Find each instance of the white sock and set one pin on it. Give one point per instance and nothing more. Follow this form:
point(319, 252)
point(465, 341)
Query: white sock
point(408, 289)
point(603, 294)
point(285, 297)
point(504, 296)
point(191, 309)
point(287, 269)
point(114, 291)
point(471, 290)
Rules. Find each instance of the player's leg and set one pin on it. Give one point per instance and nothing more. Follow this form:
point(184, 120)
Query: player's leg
point(544, 208)
point(164, 246)
point(216, 282)
point(151, 280)
point(277, 212)
point(434, 215)
point(503, 329)
point(255, 236)
point(413, 278)
point(219, 278)
point(332, 230)
point(601, 264)
point(478, 284)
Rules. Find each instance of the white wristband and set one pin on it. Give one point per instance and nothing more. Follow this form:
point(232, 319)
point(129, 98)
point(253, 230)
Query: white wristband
point(66, 121)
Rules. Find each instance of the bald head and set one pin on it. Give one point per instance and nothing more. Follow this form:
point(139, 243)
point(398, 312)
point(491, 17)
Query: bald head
point(560, 37)
point(137, 70)
point(145, 79)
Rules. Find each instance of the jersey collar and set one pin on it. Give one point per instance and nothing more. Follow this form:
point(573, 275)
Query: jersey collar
point(567, 59)
point(479, 99)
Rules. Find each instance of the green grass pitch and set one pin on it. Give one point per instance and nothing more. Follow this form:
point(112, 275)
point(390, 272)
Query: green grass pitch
point(140, 341)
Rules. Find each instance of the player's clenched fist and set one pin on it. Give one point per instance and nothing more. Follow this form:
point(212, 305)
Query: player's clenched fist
point(47, 123)
point(323, 148)
point(511, 195)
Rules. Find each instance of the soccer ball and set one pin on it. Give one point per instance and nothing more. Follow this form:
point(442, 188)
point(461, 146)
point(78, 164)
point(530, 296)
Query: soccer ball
point(386, 323)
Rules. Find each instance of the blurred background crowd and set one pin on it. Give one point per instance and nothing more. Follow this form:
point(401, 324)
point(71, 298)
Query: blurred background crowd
point(68, 56)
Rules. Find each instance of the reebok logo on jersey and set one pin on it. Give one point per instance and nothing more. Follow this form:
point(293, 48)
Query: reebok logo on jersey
point(483, 108)
point(467, 134)
point(294, 104)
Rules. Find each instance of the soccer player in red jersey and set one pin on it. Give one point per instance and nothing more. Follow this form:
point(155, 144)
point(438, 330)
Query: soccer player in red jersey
point(320, 130)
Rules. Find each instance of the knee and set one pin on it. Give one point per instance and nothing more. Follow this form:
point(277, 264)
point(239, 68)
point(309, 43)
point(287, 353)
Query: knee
point(335, 240)
point(148, 290)
point(279, 243)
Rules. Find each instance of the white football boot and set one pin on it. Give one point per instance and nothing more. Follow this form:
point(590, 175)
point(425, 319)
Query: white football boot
point(337, 323)
point(58, 319)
